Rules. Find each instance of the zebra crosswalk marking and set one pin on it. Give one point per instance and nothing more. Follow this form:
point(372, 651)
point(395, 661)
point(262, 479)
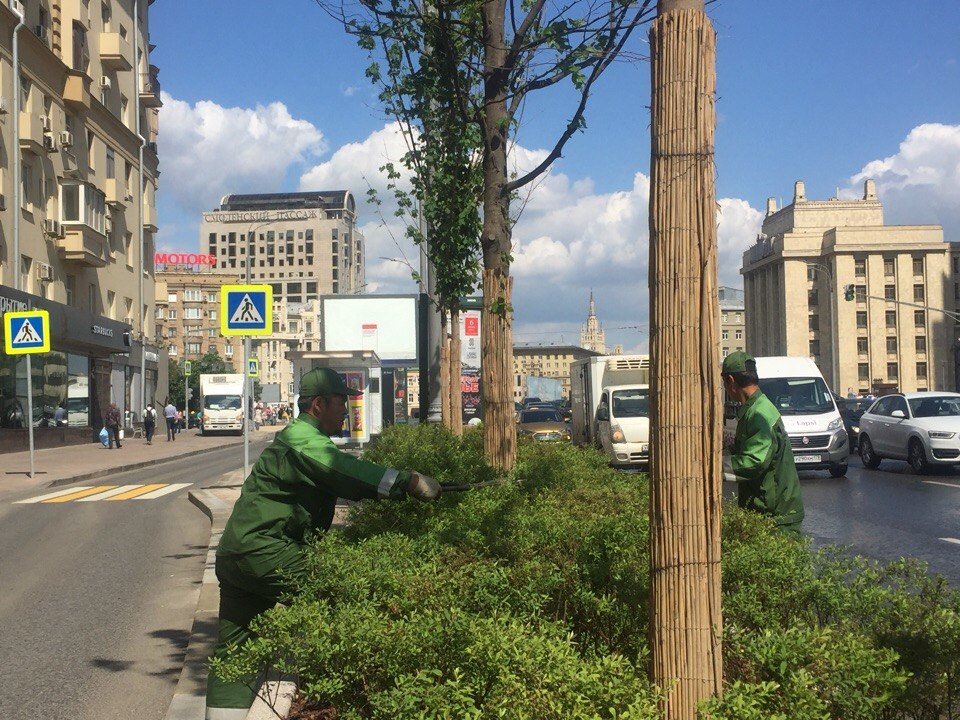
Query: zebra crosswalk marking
point(58, 493)
point(163, 491)
point(80, 494)
point(108, 494)
point(140, 490)
point(91, 493)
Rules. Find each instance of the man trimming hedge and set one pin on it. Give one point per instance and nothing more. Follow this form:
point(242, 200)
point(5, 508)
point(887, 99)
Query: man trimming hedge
point(291, 491)
point(761, 458)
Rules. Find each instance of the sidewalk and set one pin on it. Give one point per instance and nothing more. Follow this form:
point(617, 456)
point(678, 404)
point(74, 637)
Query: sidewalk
point(189, 700)
point(72, 463)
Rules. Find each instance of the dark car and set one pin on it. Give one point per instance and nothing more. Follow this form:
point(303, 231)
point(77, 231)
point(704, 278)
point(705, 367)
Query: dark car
point(851, 411)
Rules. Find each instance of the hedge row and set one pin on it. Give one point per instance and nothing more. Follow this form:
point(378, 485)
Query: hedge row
point(529, 600)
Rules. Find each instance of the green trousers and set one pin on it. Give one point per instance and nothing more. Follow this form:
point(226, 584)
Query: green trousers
point(249, 585)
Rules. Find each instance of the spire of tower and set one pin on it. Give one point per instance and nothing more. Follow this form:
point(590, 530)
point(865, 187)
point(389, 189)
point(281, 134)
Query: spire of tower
point(593, 309)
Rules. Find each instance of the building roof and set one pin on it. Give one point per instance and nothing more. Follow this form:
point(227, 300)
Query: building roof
point(324, 199)
point(553, 349)
point(730, 297)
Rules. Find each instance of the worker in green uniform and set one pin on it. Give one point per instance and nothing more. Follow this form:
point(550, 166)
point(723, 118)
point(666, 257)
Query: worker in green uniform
point(761, 458)
point(291, 492)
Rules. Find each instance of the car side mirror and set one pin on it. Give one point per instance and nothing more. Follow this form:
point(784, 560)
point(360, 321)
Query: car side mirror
point(603, 414)
point(730, 410)
point(898, 414)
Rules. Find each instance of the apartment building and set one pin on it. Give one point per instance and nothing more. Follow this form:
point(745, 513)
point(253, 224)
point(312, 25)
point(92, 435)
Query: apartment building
point(304, 244)
point(187, 314)
point(550, 361)
point(733, 328)
point(892, 334)
point(296, 328)
point(71, 209)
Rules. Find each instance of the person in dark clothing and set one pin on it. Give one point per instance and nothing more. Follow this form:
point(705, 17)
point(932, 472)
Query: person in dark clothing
point(111, 420)
point(170, 413)
point(149, 423)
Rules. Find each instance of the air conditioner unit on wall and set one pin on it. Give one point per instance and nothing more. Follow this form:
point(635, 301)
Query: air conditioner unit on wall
point(45, 122)
point(3, 105)
point(44, 271)
point(66, 138)
point(52, 227)
point(105, 83)
point(3, 201)
point(49, 142)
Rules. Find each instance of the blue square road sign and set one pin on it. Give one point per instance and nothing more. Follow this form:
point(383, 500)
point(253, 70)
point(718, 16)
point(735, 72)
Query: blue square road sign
point(26, 332)
point(246, 309)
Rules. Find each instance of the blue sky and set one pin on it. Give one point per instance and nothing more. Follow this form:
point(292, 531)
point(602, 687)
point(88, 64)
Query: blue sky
point(267, 97)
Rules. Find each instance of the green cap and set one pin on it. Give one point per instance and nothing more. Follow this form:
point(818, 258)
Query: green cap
point(324, 381)
point(736, 362)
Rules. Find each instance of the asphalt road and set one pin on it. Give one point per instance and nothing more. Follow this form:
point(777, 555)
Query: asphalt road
point(97, 598)
point(888, 513)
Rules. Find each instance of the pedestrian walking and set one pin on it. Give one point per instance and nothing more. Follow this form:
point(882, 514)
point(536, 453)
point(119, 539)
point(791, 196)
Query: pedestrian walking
point(149, 423)
point(111, 421)
point(179, 424)
point(761, 457)
point(257, 418)
point(170, 413)
point(60, 414)
point(291, 492)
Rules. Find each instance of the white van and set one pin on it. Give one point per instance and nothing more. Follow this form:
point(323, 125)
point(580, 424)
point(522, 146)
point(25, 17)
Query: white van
point(796, 388)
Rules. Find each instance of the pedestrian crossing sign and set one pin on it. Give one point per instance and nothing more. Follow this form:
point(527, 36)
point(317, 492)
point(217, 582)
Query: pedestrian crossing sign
point(253, 367)
point(246, 309)
point(26, 332)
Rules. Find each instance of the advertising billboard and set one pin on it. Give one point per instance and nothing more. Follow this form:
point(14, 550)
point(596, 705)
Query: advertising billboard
point(386, 324)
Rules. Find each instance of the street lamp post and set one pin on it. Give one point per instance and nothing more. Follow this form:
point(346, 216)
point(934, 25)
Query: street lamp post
point(834, 326)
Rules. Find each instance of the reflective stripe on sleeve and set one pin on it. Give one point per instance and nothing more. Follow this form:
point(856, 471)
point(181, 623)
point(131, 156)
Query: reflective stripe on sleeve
point(387, 482)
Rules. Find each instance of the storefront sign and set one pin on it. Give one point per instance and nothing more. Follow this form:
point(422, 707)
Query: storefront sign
point(259, 216)
point(184, 259)
point(11, 305)
point(100, 330)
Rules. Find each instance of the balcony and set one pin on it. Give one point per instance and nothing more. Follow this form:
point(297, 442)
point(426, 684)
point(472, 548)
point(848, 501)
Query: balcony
point(150, 218)
point(82, 245)
point(116, 192)
point(31, 132)
point(115, 52)
point(76, 91)
point(150, 88)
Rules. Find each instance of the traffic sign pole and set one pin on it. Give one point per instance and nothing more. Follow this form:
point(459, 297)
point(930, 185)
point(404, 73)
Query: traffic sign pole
point(30, 409)
point(27, 332)
point(247, 396)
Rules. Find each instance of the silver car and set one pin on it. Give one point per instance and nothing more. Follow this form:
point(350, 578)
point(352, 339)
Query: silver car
point(922, 428)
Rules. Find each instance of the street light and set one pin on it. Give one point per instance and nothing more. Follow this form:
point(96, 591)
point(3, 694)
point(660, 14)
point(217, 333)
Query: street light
point(834, 312)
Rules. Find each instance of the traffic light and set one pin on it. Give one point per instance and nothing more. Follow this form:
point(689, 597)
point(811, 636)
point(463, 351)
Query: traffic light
point(189, 393)
point(848, 293)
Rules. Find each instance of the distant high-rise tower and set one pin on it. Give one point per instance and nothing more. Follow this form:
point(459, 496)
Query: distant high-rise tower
point(591, 334)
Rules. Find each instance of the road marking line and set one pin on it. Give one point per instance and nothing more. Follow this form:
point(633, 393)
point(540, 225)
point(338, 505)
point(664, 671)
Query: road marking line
point(950, 540)
point(109, 493)
point(139, 490)
point(163, 491)
point(80, 494)
point(58, 493)
point(934, 482)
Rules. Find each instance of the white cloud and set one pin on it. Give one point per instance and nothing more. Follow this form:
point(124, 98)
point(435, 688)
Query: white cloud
point(920, 184)
point(349, 90)
point(208, 150)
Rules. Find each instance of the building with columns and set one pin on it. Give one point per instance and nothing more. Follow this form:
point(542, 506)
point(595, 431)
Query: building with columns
point(591, 332)
point(892, 334)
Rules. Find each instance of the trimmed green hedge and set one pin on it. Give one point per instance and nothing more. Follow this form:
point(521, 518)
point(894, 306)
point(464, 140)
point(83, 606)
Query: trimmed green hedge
point(529, 600)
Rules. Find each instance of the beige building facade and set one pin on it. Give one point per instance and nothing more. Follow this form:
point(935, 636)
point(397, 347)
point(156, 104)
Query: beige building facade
point(71, 225)
point(550, 361)
point(296, 328)
point(304, 244)
point(733, 326)
point(893, 334)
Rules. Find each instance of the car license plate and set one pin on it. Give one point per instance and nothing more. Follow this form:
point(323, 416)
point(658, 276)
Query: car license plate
point(806, 458)
point(644, 448)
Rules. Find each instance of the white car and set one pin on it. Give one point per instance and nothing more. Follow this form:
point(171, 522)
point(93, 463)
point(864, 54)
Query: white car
point(922, 428)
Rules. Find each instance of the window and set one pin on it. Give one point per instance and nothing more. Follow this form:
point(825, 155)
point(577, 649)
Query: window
point(193, 348)
point(213, 315)
point(863, 346)
point(211, 297)
point(725, 335)
point(738, 334)
point(811, 272)
point(890, 292)
point(814, 323)
point(125, 110)
point(861, 293)
point(863, 371)
point(814, 348)
point(918, 266)
point(921, 371)
point(71, 288)
point(918, 293)
point(111, 298)
point(956, 291)
point(172, 332)
point(111, 163)
point(26, 182)
point(172, 350)
point(812, 297)
point(192, 296)
point(893, 371)
point(171, 297)
point(228, 351)
point(92, 298)
point(956, 266)
point(920, 344)
point(82, 203)
point(861, 319)
point(891, 318)
point(860, 267)
point(191, 313)
point(726, 351)
point(171, 314)
point(889, 267)
point(919, 318)
point(891, 344)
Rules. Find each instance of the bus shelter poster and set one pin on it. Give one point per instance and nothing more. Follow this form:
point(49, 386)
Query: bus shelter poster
point(354, 381)
point(470, 364)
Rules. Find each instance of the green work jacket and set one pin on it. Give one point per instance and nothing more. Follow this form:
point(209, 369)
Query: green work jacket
point(762, 461)
point(293, 490)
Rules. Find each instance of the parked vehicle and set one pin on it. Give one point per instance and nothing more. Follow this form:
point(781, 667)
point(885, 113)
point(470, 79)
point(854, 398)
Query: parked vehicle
point(221, 398)
point(610, 406)
point(922, 428)
point(544, 423)
point(796, 388)
point(851, 410)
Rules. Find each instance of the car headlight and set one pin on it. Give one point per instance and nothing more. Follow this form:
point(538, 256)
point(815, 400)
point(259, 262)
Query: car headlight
point(239, 416)
point(617, 434)
point(855, 429)
point(940, 435)
point(834, 424)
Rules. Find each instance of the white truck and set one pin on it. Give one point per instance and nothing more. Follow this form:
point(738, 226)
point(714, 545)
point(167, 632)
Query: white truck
point(610, 406)
point(221, 397)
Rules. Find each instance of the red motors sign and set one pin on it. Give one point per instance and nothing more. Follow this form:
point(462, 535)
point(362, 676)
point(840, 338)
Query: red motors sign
point(184, 259)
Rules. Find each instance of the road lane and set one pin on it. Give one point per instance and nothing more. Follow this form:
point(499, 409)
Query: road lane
point(97, 598)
